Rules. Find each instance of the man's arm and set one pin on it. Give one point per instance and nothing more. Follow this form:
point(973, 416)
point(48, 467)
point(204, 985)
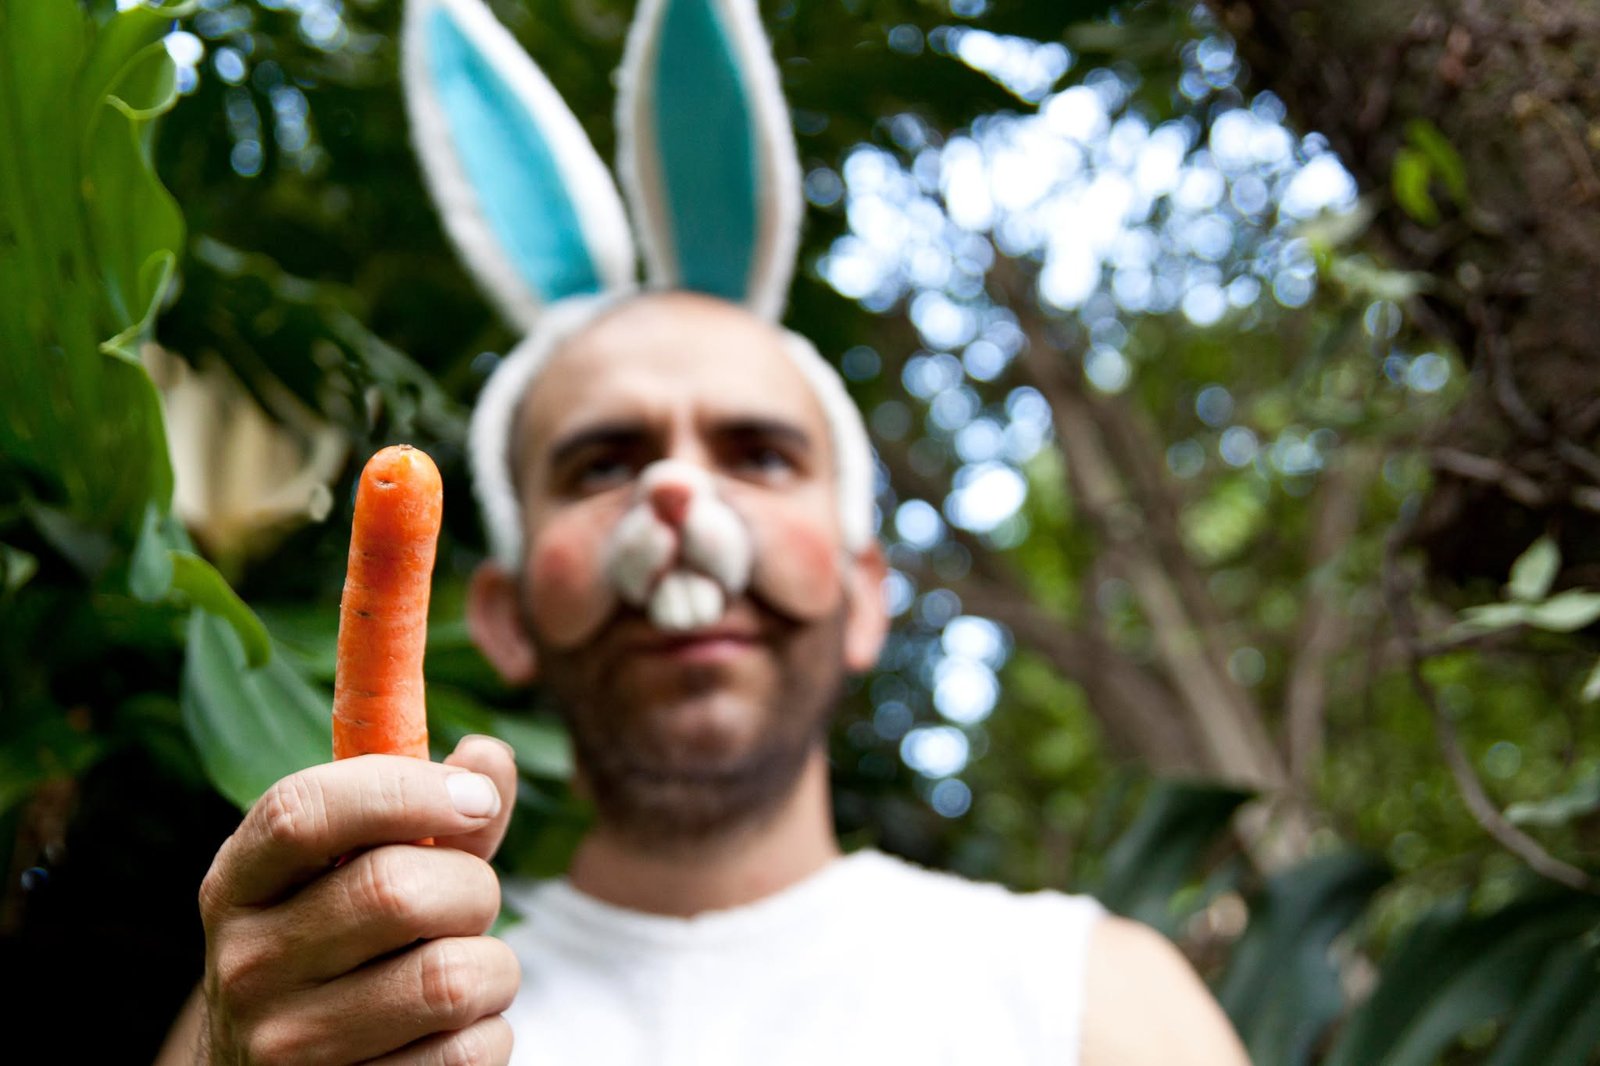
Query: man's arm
point(1147, 1007)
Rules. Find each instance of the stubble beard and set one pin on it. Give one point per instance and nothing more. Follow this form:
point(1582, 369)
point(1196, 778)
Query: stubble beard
point(663, 787)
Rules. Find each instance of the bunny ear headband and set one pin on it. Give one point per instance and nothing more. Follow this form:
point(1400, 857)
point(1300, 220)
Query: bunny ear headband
point(708, 163)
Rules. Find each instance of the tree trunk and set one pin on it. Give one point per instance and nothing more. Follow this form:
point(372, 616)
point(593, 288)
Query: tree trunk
point(1511, 85)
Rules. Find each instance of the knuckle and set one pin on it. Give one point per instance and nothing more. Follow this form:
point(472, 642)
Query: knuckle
point(213, 893)
point(240, 970)
point(274, 1044)
point(451, 981)
point(469, 1047)
point(387, 884)
point(291, 811)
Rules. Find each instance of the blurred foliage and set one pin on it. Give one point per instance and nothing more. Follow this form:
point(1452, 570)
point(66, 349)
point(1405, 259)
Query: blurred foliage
point(308, 263)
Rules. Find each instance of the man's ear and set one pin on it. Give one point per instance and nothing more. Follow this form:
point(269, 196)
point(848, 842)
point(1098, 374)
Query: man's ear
point(866, 613)
point(495, 617)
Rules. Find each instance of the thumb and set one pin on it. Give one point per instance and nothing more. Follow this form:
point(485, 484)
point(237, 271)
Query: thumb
point(492, 758)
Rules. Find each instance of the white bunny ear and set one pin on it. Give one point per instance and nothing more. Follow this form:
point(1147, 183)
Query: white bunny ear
point(527, 201)
point(706, 152)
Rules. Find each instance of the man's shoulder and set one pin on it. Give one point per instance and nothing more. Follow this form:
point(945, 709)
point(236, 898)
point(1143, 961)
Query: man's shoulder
point(1146, 1004)
point(1141, 1000)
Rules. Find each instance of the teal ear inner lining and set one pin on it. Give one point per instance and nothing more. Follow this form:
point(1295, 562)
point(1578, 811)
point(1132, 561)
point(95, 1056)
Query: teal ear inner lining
point(510, 166)
point(704, 133)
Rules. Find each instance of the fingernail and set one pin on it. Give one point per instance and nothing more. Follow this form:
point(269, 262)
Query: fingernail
point(473, 795)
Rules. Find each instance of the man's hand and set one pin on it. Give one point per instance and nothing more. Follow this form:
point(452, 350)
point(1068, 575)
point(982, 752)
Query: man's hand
point(382, 957)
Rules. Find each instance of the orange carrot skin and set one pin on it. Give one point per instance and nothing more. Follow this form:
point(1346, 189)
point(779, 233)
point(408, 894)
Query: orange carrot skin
point(378, 702)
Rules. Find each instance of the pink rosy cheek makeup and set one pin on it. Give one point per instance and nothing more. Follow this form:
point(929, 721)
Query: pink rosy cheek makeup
point(796, 564)
point(570, 596)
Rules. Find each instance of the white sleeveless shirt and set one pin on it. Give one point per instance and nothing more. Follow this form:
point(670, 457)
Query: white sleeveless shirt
point(869, 961)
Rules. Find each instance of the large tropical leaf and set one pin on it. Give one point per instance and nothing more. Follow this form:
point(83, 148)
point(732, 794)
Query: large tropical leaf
point(1281, 987)
point(88, 242)
point(251, 726)
point(1159, 853)
point(1559, 1020)
point(1456, 969)
point(541, 745)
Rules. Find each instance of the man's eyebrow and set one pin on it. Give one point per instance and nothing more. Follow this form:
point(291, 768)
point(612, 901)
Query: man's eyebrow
point(766, 428)
point(604, 434)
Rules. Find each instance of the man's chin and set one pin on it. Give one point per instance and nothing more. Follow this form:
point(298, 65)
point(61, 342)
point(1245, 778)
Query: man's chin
point(688, 770)
point(707, 735)
point(666, 800)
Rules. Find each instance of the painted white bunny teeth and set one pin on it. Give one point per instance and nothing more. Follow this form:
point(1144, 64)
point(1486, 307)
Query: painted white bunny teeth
point(708, 601)
point(685, 601)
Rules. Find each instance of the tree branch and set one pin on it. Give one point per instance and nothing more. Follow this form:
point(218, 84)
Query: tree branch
point(1397, 593)
point(1229, 725)
point(1323, 624)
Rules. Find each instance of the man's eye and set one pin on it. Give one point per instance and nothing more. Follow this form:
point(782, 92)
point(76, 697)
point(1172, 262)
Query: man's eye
point(600, 473)
point(765, 461)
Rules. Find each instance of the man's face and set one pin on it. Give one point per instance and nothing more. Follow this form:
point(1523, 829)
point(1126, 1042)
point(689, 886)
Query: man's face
point(684, 733)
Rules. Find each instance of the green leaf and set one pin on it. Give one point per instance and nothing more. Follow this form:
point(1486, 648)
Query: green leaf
point(1281, 987)
point(1455, 970)
point(1409, 180)
point(1158, 854)
point(89, 550)
point(1591, 687)
point(1490, 618)
point(1444, 162)
point(1580, 800)
point(163, 568)
point(17, 568)
point(310, 632)
point(1534, 571)
point(541, 745)
point(1565, 612)
point(1363, 277)
point(90, 237)
point(199, 582)
point(251, 727)
point(137, 253)
point(1558, 1023)
point(150, 569)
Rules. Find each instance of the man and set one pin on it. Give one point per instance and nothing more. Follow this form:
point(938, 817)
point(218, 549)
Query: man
point(709, 917)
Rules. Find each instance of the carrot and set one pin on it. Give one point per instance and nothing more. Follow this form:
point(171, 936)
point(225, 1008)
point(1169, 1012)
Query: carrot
point(378, 703)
